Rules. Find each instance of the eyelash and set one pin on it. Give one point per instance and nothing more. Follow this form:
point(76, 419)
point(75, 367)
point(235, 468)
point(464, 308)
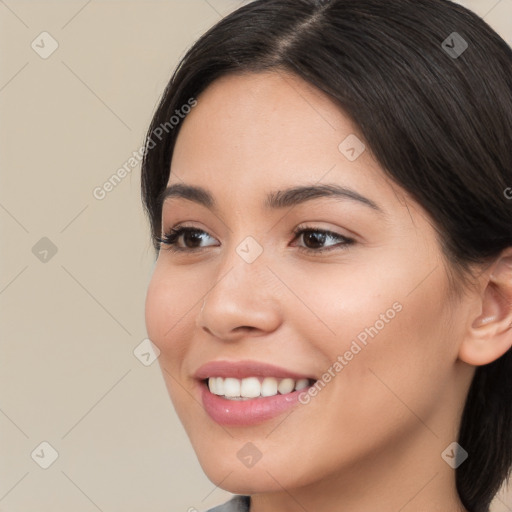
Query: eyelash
point(170, 238)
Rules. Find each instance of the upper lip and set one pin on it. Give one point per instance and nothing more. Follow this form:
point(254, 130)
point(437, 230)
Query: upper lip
point(243, 369)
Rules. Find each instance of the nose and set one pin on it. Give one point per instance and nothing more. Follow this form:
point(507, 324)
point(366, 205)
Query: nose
point(243, 299)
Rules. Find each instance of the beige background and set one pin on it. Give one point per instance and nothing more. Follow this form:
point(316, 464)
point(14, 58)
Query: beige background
point(70, 324)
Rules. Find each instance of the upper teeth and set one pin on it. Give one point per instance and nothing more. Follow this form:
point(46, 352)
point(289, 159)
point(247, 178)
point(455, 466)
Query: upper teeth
point(252, 387)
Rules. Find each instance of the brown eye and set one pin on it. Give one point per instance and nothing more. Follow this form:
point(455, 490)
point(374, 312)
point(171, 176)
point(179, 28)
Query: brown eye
point(314, 239)
point(192, 238)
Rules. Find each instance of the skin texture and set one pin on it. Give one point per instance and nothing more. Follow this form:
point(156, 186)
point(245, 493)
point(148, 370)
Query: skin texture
point(372, 438)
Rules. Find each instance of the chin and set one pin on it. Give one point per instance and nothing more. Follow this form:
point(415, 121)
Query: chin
point(246, 481)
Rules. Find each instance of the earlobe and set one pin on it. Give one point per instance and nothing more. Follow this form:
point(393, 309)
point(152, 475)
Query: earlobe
point(490, 333)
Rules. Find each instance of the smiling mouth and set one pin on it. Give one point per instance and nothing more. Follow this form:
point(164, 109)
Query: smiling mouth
point(254, 387)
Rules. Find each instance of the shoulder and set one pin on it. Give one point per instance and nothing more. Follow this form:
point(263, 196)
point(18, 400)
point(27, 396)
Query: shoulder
point(237, 503)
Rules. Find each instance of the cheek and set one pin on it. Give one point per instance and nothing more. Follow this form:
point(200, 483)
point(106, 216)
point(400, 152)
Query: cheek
point(154, 310)
point(394, 370)
point(387, 303)
point(337, 303)
point(392, 338)
point(167, 313)
point(166, 307)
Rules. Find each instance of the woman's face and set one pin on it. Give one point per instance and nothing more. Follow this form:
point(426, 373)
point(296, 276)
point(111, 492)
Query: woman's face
point(370, 318)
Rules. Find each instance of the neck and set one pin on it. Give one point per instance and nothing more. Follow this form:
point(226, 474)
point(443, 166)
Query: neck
point(411, 477)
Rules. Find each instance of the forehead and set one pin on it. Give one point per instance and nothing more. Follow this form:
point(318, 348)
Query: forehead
point(258, 106)
point(268, 128)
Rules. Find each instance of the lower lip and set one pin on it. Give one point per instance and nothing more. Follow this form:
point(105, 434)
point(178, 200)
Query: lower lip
point(241, 413)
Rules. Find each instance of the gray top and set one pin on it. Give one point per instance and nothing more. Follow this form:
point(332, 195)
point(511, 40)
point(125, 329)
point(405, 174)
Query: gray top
point(237, 503)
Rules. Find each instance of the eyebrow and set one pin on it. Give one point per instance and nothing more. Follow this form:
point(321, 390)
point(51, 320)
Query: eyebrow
point(275, 200)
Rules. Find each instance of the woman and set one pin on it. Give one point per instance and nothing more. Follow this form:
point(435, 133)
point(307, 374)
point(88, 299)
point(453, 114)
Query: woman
point(328, 186)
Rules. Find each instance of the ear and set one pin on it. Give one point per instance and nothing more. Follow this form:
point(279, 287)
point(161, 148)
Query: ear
point(489, 334)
